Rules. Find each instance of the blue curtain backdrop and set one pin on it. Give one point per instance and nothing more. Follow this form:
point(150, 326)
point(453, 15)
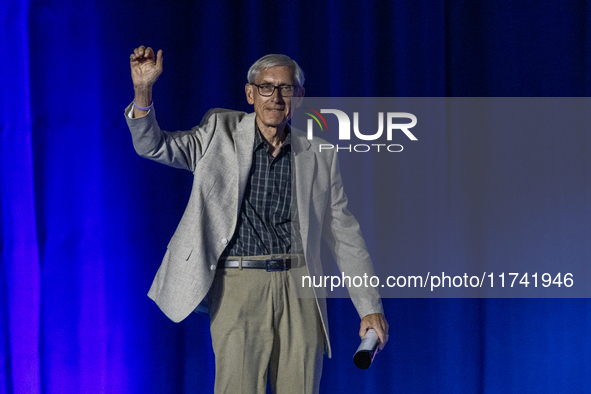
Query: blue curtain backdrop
point(85, 221)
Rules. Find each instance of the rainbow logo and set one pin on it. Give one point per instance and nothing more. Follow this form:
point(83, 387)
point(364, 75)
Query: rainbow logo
point(316, 118)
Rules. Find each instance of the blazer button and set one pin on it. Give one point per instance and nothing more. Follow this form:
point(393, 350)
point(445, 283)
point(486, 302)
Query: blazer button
point(213, 267)
point(224, 241)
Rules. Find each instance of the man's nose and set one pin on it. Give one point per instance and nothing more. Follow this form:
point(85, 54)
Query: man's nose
point(276, 96)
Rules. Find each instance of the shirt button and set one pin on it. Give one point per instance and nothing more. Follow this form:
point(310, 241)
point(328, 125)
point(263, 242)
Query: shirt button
point(213, 267)
point(269, 194)
point(224, 241)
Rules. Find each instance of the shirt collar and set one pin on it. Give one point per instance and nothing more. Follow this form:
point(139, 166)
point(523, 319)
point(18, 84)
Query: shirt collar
point(259, 140)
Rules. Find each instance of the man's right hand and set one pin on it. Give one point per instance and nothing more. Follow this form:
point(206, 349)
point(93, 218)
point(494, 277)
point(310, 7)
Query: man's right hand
point(145, 68)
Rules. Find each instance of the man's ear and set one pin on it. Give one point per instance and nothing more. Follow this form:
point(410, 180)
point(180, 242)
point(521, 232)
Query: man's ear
point(297, 99)
point(249, 93)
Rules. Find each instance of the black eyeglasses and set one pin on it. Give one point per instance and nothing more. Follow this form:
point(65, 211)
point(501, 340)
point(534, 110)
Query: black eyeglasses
point(267, 90)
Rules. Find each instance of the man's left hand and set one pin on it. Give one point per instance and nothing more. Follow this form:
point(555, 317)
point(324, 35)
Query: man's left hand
point(378, 322)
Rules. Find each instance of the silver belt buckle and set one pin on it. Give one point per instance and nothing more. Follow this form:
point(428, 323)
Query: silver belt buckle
point(274, 265)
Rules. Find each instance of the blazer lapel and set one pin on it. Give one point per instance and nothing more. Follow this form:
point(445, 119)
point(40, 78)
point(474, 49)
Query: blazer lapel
point(243, 144)
point(304, 163)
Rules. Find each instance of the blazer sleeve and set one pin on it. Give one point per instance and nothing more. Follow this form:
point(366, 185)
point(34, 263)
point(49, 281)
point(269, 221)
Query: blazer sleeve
point(342, 233)
point(179, 149)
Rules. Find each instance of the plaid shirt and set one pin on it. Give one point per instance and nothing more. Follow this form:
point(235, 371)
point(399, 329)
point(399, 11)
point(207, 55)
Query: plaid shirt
point(264, 223)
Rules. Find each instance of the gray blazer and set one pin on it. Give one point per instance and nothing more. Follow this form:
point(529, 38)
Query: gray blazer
point(219, 153)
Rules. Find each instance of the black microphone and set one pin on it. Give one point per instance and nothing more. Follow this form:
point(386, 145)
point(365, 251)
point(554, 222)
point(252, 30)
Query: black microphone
point(367, 350)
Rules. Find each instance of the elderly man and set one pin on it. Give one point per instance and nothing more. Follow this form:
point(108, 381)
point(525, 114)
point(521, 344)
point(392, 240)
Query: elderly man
point(235, 249)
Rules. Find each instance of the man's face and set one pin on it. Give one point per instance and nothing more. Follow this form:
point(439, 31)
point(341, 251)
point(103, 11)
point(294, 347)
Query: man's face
point(273, 111)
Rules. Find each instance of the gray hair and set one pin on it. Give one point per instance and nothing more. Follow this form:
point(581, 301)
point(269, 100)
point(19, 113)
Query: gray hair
point(276, 60)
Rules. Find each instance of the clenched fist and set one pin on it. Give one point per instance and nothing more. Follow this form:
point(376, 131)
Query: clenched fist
point(145, 68)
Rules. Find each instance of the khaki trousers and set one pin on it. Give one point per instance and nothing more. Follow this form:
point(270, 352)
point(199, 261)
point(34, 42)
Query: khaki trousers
point(260, 330)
